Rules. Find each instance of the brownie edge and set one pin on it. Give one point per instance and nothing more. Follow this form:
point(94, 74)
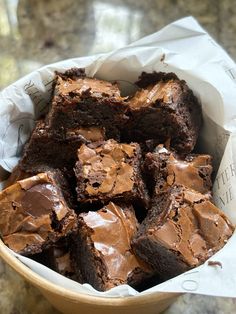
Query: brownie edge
point(182, 233)
point(35, 214)
point(102, 248)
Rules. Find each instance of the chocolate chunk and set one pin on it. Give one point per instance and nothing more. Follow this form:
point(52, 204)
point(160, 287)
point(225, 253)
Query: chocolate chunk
point(102, 248)
point(34, 213)
point(110, 170)
point(181, 232)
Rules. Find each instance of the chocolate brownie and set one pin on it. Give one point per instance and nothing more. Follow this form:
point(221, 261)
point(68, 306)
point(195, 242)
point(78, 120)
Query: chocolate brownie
point(16, 175)
point(164, 108)
point(110, 170)
point(60, 260)
point(166, 168)
point(83, 101)
point(34, 213)
point(102, 248)
point(44, 150)
point(187, 232)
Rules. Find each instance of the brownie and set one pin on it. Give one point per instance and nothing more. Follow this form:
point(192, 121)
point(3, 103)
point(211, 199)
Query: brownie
point(16, 175)
point(58, 258)
point(102, 248)
point(164, 108)
point(166, 168)
point(44, 150)
point(84, 101)
point(188, 231)
point(61, 261)
point(110, 171)
point(34, 213)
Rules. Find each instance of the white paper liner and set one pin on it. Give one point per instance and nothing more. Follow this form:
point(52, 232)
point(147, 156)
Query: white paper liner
point(186, 49)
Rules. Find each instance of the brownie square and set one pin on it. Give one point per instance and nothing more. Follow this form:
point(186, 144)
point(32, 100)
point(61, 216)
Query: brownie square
point(166, 168)
point(102, 248)
point(110, 171)
point(182, 233)
point(45, 151)
point(164, 109)
point(34, 213)
point(83, 101)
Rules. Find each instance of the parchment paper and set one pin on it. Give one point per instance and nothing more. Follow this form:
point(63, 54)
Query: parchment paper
point(182, 47)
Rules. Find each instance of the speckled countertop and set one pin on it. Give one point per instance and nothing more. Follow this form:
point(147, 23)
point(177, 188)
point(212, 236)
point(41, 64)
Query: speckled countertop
point(34, 33)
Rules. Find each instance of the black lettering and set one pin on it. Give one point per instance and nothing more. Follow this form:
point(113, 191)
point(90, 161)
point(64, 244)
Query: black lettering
point(217, 181)
point(226, 174)
point(28, 86)
point(222, 201)
point(35, 93)
point(227, 197)
point(231, 197)
point(46, 84)
point(231, 72)
point(223, 178)
point(232, 169)
point(40, 100)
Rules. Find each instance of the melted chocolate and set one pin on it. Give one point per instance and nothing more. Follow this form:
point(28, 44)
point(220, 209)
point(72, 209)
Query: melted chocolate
point(97, 88)
point(92, 134)
point(185, 232)
point(167, 92)
point(112, 230)
point(110, 162)
point(197, 231)
point(192, 171)
point(27, 211)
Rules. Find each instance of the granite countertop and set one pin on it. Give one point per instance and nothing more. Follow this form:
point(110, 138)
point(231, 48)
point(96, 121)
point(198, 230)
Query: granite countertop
point(34, 33)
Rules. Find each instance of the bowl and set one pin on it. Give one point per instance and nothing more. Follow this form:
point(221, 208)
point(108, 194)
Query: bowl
point(68, 302)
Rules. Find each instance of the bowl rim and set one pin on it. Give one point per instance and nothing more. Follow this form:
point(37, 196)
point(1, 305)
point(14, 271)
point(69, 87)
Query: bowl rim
point(45, 285)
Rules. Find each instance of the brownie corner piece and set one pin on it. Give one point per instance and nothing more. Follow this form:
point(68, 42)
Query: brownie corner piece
point(164, 168)
point(34, 213)
point(164, 108)
point(73, 74)
point(110, 170)
point(46, 150)
point(102, 248)
point(182, 233)
point(85, 101)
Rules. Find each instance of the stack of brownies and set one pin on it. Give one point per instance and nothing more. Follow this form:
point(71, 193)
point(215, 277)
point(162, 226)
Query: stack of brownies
point(108, 191)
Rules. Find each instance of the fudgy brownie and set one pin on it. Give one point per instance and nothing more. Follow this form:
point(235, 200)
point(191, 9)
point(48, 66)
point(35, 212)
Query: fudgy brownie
point(83, 101)
point(34, 213)
point(164, 108)
point(110, 171)
point(166, 168)
point(60, 260)
point(16, 175)
point(102, 248)
point(188, 231)
point(44, 150)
